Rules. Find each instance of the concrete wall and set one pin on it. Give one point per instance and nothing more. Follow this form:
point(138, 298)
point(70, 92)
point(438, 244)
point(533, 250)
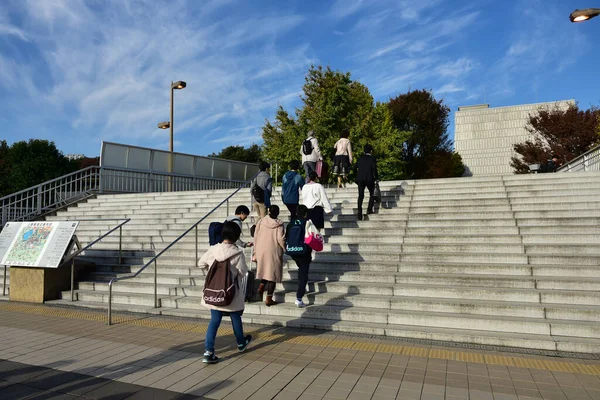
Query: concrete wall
point(484, 136)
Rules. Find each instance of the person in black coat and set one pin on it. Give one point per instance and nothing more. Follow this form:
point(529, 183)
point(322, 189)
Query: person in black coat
point(366, 176)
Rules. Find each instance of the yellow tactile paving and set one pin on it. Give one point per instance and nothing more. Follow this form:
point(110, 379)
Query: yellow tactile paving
point(184, 326)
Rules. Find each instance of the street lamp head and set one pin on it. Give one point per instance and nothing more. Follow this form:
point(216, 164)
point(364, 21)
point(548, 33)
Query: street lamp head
point(164, 125)
point(584, 15)
point(179, 85)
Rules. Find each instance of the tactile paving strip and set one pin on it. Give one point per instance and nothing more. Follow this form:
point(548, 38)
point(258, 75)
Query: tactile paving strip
point(312, 340)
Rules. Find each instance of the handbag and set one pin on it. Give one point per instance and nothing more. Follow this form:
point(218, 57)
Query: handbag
point(319, 168)
point(377, 193)
point(312, 237)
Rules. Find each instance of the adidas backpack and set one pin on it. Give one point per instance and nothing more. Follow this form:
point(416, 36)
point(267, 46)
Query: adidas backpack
point(220, 284)
point(294, 241)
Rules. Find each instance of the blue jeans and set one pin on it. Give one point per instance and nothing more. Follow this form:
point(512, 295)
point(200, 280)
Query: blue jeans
point(215, 321)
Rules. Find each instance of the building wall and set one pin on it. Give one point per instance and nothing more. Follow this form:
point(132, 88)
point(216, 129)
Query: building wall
point(484, 137)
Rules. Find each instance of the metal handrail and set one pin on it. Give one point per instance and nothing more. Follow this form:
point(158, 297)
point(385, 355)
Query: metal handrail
point(153, 260)
point(582, 162)
point(72, 256)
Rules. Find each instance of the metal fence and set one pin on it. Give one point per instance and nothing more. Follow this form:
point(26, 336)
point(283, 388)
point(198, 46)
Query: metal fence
point(588, 161)
point(57, 193)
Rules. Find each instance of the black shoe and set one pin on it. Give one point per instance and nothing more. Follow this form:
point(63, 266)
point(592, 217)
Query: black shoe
point(244, 346)
point(371, 212)
point(210, 358)
point(360, 217)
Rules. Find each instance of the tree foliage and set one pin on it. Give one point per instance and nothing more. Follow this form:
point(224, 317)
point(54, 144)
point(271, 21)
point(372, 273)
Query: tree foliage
point(427, 151)
point(26, 164)
point(252, 154)
point(564, 133)
point(332, 102)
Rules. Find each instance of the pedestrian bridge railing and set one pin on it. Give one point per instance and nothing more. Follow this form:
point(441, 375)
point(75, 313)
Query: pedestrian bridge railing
point(45, 198)
point(588, 161)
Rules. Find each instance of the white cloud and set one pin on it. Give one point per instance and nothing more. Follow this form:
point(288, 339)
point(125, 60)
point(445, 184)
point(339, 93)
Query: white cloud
point(449, 88)
point(456, 68)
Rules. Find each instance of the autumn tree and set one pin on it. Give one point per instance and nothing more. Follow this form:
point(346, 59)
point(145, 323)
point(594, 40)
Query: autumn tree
point(427, 152)
point(252, 154)
point(564, 133)
point(332, 102)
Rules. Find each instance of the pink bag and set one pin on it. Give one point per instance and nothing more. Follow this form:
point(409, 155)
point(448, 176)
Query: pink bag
point(319, 168)
point(312, 237)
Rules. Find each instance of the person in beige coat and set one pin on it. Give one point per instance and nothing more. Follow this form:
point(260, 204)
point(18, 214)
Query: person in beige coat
point(269, 243)
point(227, 249)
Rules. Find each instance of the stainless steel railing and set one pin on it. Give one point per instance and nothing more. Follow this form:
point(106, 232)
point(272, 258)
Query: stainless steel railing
point(47, 197)
point(588, 161)
point(153, 260)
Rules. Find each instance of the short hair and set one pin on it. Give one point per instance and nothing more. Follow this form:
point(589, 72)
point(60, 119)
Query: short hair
point(302, 211)
point(242, 210)
point(231, 231)
point(345, 133)
point(312, 175)
point(264, 165)
point(368, 148)
point(294, 164)
point(274, 211)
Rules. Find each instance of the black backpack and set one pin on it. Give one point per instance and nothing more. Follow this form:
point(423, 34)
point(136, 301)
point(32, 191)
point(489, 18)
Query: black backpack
point(307, 147)
point(294, 239)
point(215, 232)
point(258, 193)
point(220, 284)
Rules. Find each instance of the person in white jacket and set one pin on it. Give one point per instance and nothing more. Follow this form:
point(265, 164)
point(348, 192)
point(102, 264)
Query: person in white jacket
point(227, 249)
point(309, 161)
point(315, 199)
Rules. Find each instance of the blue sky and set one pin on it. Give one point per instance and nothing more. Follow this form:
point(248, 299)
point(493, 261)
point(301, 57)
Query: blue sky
point(78, 72)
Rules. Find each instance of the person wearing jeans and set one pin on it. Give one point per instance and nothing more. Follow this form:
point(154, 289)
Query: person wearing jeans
point(302, 261)
point(309, 161)
point(226, 250)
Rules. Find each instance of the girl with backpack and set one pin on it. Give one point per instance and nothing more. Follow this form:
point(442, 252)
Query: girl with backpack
point(299, 251)
point(224, 255)
point(269, 244)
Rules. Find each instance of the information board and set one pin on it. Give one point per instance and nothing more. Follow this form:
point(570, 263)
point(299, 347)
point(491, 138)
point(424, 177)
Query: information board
point(35, 244)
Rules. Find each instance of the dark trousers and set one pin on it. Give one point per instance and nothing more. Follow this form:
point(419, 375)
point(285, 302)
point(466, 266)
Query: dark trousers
point(269, 285)
point(303, 264)
point(309, 166)
point(361, 195)
point(292, 208)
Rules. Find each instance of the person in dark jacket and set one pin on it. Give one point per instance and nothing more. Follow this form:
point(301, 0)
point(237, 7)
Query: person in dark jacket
point(291, 184)
point(265, 182)
point(366, 176)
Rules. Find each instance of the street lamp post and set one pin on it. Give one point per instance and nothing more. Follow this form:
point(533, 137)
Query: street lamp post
point(584, 15)
point(169, 125)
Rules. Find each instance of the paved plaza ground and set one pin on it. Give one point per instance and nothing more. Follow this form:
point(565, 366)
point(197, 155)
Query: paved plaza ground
point(58, 353)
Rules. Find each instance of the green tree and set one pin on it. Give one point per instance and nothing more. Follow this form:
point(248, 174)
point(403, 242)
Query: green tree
point(428, 150)
point(31, 163)
point(564, 133)
point(4, 169)
point(252, 154)
point(332, 102)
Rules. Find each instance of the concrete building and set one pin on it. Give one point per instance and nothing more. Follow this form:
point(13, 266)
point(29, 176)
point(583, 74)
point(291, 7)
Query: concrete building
point(484, 136)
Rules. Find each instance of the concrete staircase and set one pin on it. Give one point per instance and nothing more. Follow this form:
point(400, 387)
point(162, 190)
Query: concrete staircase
point(512, 261)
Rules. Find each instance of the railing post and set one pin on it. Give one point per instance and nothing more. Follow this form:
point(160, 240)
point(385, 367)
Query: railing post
point(72, 277)
point(4, 216)
point(110, 302)
point(101, 181)
point(4, 284)
point(155, 285)
point(196, 242)
point(39, 199)
point(120, 241)
point(227, 209)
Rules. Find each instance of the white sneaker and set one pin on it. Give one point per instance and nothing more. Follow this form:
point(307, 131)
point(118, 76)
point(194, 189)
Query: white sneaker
point(300, 304)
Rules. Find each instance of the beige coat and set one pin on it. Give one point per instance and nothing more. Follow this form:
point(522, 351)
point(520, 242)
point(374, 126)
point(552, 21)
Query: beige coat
point(238, 267)
point(269, 243)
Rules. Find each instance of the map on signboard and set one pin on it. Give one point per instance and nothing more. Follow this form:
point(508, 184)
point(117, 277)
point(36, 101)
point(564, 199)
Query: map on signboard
point(35, 244)
point(29, 245)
